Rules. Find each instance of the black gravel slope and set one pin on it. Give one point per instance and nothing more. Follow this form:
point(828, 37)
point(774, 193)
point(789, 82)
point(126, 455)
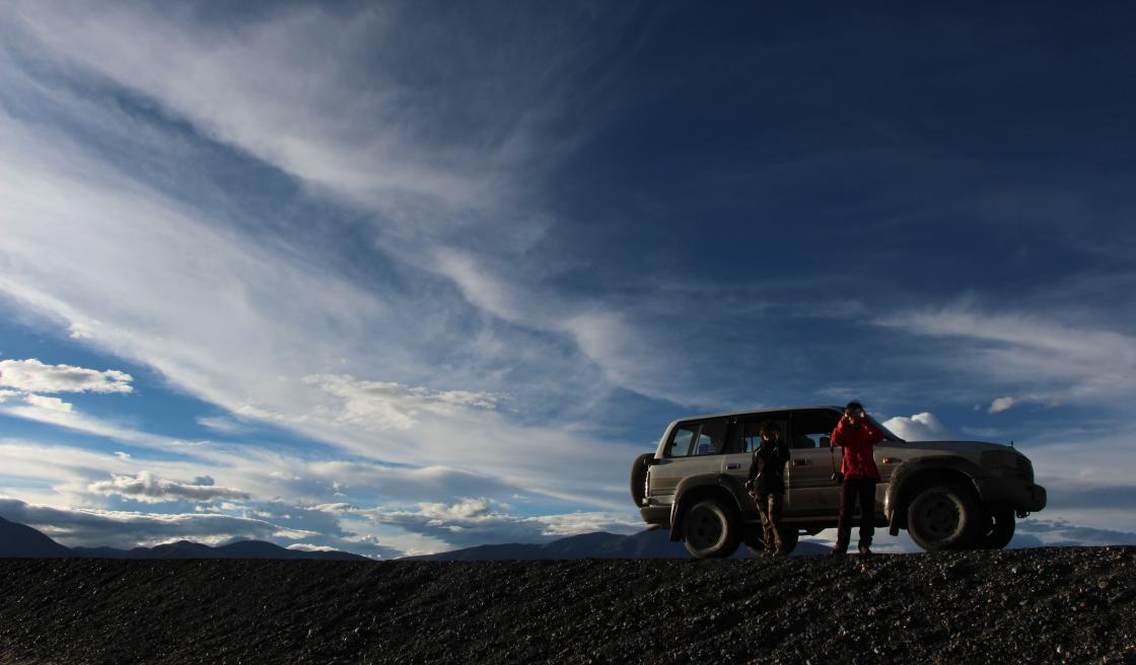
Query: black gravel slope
point(1024, 606)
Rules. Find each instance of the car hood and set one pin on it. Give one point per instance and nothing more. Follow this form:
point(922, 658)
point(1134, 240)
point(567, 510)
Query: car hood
point(950, 446)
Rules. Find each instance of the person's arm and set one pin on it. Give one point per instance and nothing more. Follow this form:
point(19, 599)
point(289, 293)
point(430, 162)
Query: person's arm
point(837, 434)
point(783, 451)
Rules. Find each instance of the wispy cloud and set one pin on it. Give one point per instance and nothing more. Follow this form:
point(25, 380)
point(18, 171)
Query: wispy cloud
point(57, 412)
point(384, 405)
point(1056, 361)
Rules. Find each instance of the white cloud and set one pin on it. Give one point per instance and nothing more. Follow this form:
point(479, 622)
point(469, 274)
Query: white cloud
point(89, 527)
point(381, 405)
point(147, 487)
point(308, 547)
point(1001, 404)
point(1055, 361)
point(476, 521)
point(922, 426)
point(47, 404)
point(33, 376)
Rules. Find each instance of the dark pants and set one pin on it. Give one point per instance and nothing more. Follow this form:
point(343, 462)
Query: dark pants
point(853, 491)
point(769, 506)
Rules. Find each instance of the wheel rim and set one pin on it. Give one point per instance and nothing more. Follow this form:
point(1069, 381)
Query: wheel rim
point(939, 517)
point(704, 529)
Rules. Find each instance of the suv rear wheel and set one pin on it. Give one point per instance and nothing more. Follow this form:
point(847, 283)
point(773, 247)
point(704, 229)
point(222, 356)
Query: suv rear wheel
point(709, 530)
point(944, 517)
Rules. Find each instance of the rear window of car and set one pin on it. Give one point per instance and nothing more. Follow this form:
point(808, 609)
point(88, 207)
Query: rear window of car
point(706, 437)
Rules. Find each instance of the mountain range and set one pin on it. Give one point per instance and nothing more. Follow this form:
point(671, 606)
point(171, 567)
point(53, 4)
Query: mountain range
point(18, 540)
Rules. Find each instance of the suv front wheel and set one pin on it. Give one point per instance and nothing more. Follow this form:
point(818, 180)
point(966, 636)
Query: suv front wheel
point(999, 529)
point(709, 530)
point(944, 517)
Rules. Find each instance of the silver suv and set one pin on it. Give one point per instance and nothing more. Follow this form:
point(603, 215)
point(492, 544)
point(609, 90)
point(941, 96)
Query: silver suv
point(947, 494)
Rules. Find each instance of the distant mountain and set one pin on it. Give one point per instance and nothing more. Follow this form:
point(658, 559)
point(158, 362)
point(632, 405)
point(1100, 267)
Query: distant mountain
point(650, 544)
point(184, 549)
point(18, 540)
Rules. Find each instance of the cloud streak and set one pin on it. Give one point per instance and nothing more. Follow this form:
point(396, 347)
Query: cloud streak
point(1062, 362)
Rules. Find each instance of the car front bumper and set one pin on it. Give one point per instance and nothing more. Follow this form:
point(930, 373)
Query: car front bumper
point(1022, 497)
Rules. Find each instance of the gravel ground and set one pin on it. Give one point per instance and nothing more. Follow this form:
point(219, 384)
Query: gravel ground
point(1023, 606)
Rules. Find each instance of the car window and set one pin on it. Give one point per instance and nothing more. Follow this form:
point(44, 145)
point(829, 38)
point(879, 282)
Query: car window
point(711, 438)
point(813, 429)
point(707, 437)
point(681, 438)
point(748, 437)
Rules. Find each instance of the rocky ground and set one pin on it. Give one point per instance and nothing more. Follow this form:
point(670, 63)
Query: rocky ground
point(1025, 606)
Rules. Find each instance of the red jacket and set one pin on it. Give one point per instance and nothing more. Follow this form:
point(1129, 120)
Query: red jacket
point(857, 443)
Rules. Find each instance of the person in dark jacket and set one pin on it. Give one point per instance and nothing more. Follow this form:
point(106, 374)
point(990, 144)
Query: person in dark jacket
point(766, 485)
point(858, 438)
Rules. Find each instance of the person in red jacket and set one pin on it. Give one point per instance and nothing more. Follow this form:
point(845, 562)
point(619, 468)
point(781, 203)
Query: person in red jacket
point(858, 437)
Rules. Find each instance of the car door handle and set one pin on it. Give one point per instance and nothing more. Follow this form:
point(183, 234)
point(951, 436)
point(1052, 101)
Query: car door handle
point(800, 462)
point(732, 466)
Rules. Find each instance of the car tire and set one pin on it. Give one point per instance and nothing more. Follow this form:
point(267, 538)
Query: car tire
point(1000, 530)
point(639, 477)
point(944, 517)
point(710, 530)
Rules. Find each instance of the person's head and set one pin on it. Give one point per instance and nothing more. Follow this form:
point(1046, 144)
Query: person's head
point(854, 410)
point(770, 432)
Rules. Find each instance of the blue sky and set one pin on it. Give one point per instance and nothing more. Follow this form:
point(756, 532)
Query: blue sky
point(403, 277)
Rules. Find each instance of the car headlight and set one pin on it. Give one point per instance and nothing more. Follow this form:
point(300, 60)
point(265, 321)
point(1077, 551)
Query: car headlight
point(1009, 460)
point(1006, 459)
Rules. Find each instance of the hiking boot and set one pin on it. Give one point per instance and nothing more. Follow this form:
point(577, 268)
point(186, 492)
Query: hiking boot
point(836, 552)
point(865, 550)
